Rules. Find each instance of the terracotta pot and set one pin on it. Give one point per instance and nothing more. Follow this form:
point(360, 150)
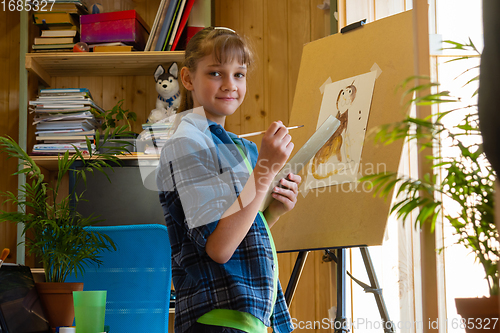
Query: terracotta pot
point(57, 301)
point(479, 314)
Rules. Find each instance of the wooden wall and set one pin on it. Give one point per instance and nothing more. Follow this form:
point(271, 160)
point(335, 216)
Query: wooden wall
point(277, 29)
point(9, 116)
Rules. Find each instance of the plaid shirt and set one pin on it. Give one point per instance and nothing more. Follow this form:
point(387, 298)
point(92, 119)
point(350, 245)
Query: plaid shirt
point(202, 171)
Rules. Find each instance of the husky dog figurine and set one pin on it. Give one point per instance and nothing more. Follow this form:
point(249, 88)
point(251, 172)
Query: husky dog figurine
point(167, 87)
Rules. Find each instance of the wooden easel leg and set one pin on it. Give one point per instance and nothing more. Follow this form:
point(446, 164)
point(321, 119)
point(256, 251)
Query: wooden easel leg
point(341, 324)
point(295, 277)
point(377, 291)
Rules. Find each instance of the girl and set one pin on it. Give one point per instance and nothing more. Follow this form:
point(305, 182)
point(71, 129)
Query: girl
point(224, 264)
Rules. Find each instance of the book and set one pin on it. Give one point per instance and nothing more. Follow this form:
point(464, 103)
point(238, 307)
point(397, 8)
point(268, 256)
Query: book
point(166, 24)
point(65, 102)
point(160, 25)
point(41, 18)
point(91, 46)
point(63, 137)
point(84, 124)
point(65, 132)
point(52, 50)
point(48, 105)
point(172, 23)
point(50, 27)
point(61, 110)
point(53, 46)
point(182, 24)
point(175, 26)
point(191, 31)
point(62, 97)
point(59, 33)
point(64, 90)
point(53, 40)
point(76, 7)
point(163, 5)
point(122, 48)
point(60, 116)
point(54, 148)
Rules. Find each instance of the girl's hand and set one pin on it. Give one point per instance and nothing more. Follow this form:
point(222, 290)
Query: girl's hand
point(275, 149)
point(284, 198)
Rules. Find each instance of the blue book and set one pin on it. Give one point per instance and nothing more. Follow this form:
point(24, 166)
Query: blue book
point(172, 6)
point(63, 90)
point(177, 13)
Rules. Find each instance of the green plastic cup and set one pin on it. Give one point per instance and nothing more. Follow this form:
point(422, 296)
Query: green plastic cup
point(90, 307)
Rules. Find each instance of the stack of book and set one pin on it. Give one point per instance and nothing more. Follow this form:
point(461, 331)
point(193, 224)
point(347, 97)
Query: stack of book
point(63, 118)
point(168, 32)
point(153, 137)
point(59, 25)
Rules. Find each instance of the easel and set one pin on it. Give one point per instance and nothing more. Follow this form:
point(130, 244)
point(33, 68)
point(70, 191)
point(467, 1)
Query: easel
point(337, 220)
point(341, 323)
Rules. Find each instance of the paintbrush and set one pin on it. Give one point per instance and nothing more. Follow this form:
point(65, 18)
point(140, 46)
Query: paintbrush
point(4, 255)
point(262, 132)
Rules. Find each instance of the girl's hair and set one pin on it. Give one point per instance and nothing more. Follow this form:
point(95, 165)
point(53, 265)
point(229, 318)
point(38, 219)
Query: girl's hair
point(225, 44)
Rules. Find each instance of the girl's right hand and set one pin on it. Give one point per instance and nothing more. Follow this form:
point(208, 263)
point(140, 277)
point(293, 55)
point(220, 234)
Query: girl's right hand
point(275, 149)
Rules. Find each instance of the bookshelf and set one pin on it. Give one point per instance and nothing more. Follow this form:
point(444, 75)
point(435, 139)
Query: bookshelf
point(46, 66)
point(49, 163)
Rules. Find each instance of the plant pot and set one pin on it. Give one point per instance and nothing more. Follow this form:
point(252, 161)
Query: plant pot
point(479, 314)
point(57, 301)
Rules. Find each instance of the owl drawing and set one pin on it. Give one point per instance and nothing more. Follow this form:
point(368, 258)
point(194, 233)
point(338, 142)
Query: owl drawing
point(333, 146)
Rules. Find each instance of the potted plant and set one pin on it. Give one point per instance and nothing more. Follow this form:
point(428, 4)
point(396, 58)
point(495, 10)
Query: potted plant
point(468, 182)
point(60, 239)
point(110, 120)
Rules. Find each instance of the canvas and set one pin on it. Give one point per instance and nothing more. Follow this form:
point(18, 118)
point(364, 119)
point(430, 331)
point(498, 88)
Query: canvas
point(338, 161)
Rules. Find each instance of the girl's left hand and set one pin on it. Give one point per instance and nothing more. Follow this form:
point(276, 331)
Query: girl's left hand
point(284, 197)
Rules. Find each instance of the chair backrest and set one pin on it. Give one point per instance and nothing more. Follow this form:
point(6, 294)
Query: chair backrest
point(137, 278)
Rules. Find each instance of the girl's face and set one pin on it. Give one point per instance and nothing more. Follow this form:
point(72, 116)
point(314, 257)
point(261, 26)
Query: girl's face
point(219, 88)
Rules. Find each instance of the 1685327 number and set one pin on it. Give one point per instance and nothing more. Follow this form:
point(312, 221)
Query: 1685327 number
point(475, 323)
point(27, 5)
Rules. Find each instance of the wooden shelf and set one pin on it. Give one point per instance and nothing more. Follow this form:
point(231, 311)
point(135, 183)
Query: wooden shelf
point(50, 162)
point(47, 65)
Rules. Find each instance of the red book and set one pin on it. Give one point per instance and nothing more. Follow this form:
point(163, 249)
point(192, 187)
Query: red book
point(191, 31)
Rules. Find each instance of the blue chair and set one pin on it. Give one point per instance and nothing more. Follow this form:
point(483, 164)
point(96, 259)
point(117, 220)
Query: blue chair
point(137, 278)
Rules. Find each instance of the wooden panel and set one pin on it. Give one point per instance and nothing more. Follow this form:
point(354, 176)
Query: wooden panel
point(253, 116)
point(278, 103)
point(9, 108)
point(94, 85)
point(299, 26)
point(112, 92)
point(320, 20)
point(67, 82)
point(228, 14)
point(136, 99)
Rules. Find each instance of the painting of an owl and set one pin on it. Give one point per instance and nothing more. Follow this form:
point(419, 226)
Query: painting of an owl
point(333, 146)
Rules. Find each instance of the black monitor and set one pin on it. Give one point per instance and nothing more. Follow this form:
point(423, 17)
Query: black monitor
point(20, 306)
point(130, 198)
